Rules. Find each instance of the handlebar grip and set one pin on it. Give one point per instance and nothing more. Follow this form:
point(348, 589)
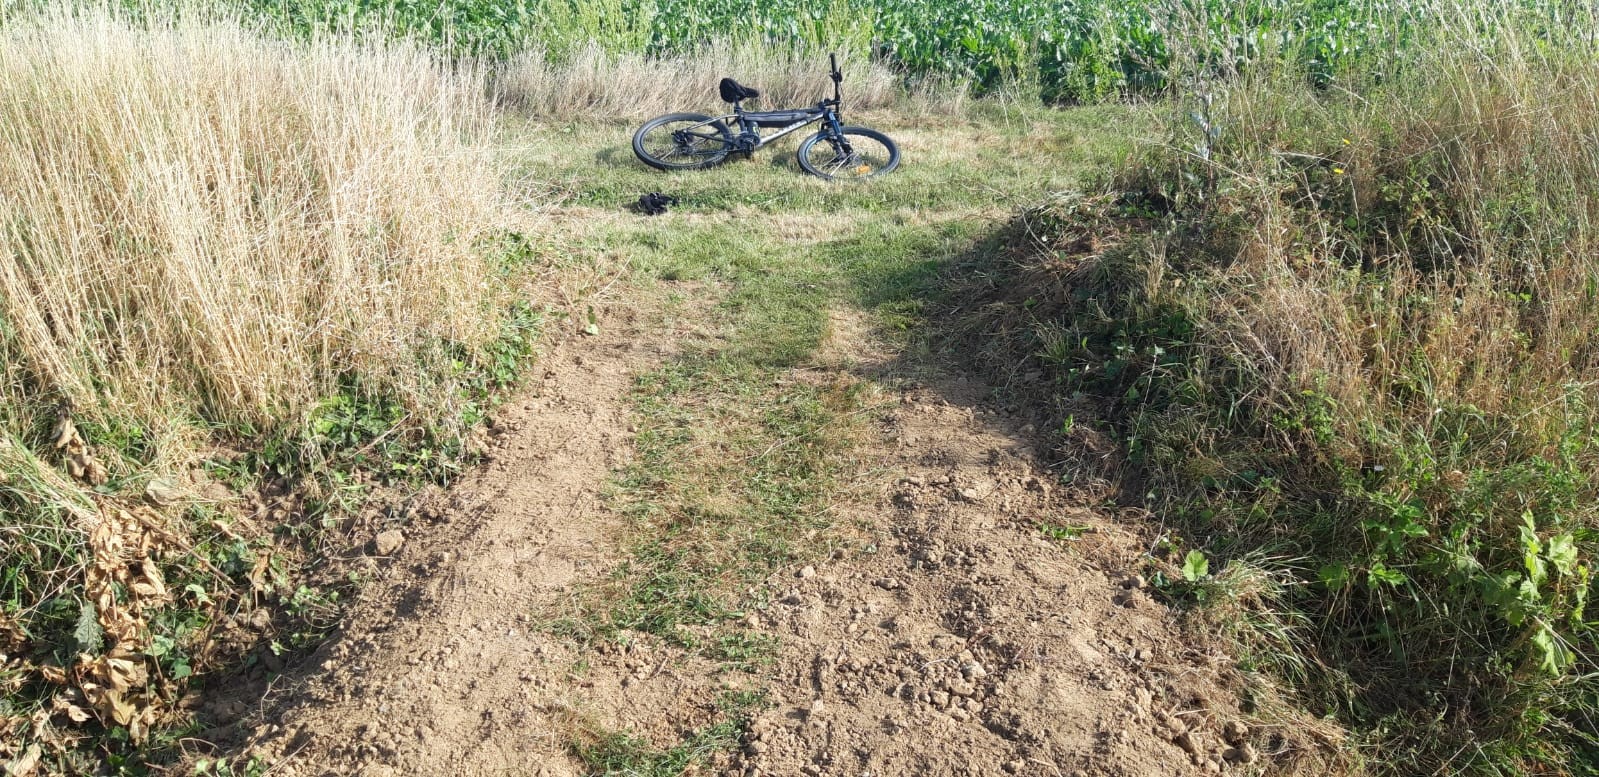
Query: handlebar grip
point(833, 58)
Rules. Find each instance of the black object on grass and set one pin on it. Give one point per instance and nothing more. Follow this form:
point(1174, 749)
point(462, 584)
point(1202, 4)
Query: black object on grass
point(655, 203)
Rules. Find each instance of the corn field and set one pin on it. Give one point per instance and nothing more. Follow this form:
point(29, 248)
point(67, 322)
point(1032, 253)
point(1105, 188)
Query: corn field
point(1064, 51)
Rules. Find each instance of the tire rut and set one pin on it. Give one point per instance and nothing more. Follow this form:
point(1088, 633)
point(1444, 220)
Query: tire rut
point(439, 668)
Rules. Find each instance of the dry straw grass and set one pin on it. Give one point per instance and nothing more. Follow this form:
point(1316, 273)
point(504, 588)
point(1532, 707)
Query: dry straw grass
point(593, 83)
point(199, 222)
point(1349, 337)
point(200, 227)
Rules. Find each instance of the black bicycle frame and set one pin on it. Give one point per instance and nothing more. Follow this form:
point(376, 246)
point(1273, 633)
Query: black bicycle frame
point(828, 115)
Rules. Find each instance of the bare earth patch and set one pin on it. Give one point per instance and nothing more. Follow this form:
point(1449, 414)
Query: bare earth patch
point(438, 670)
point(963, 640)
point(950, 636)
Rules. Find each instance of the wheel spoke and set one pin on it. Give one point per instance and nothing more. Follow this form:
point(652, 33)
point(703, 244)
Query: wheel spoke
point(857, 157)
point(687, 150)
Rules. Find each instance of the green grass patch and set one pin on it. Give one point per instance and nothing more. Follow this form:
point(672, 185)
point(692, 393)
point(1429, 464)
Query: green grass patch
point(1063, 532)
point(615, 753)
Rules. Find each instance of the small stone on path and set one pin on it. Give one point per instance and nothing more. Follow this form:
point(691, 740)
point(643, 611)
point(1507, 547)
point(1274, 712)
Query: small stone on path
point(387, 542)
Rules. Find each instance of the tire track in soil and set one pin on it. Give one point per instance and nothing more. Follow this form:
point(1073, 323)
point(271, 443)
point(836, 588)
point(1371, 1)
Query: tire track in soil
point(437, 669)
point(955, 639)
point(968, 643)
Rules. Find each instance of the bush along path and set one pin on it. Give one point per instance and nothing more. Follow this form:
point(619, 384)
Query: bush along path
point(752, 521)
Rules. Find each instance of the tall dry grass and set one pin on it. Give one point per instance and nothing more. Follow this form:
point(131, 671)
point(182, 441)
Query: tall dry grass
point(207, 236)
point(593, 83)
point(201, 223)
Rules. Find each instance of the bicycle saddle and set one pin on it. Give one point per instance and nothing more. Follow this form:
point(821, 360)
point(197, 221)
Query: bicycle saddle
point(733, 91)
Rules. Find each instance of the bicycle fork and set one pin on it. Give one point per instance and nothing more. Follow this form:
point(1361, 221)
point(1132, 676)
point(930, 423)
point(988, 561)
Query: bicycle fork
point(840, 141)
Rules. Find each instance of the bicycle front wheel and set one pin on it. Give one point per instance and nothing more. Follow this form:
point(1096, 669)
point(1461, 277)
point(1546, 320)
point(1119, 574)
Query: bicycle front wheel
point(682, 141)
point(853, 154)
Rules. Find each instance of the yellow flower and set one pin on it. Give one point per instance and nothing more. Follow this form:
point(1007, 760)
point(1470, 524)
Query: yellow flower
point(1338, 170)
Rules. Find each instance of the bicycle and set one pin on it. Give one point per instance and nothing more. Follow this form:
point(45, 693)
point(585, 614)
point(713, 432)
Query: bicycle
point(694, 141)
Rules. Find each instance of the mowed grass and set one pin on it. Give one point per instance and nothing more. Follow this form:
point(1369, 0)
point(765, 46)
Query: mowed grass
point(991, 157)
point(746, 439)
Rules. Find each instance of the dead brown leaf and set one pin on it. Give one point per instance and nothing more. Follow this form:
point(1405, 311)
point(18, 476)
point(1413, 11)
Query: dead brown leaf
point(124, 674)
point(81, 464)
point(11, 637)
point(150, 583)
point(117, 686)
point(66, 433)
point(73, 712)
point(24, 765)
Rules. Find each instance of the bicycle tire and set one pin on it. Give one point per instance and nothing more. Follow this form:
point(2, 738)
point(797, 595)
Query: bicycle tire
point(853, 164)
point(713, 152)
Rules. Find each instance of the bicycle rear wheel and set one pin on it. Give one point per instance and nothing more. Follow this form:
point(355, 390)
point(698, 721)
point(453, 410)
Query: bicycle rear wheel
point(855, 153)
point(682, 141)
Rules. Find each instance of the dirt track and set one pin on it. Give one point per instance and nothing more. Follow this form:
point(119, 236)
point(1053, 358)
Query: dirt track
point(968, 643)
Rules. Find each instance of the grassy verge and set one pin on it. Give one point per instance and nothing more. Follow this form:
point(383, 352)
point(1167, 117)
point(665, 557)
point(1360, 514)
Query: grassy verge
point(233, 264)
point(745, 440)
point(1345, 339)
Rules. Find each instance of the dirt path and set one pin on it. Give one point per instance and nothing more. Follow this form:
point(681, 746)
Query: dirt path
point(968, 643)
point(437, 670)
point(971, 643)
point(976, 618)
